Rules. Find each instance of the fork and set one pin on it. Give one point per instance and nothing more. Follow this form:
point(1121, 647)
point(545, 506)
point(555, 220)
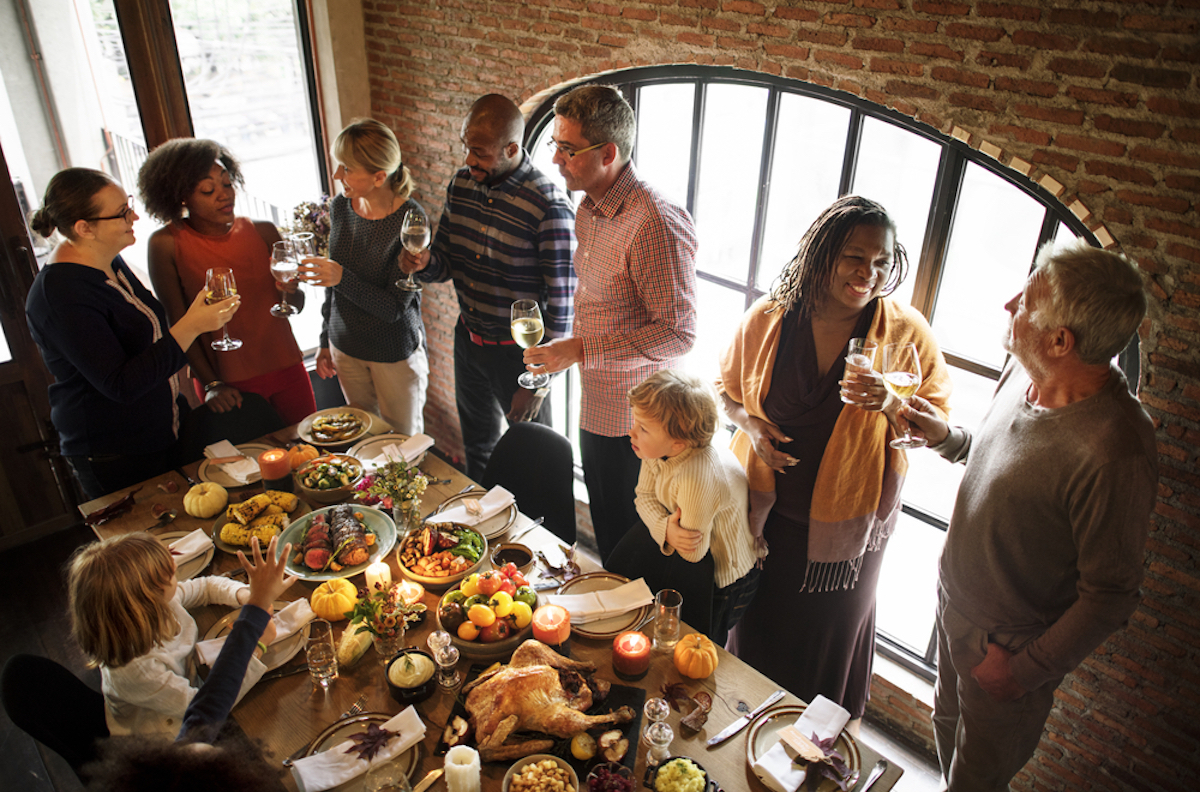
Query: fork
point(355, 709)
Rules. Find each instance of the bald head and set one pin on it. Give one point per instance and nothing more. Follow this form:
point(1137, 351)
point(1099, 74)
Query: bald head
point(497, 117)
point(491, 134)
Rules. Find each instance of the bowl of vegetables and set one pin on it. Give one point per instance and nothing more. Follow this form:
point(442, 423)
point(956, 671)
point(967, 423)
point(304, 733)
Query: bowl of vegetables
point(328, 479)
point(438, 555)
point(489, 614)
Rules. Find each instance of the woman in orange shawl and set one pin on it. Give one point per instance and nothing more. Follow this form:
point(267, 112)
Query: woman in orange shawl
point(824, 484)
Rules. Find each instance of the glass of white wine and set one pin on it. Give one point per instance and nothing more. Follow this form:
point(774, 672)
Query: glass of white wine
point(415, 236)
point(285, 269)
point(527, 331)
point(902, 376)
point(220, 285)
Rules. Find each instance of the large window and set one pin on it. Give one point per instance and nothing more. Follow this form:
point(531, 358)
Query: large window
point(755, 159)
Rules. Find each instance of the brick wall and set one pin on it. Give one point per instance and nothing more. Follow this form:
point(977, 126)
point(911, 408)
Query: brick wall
point(1096, 101)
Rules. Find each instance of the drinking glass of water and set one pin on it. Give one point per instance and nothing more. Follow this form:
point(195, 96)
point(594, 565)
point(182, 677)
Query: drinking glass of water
point(667, 605)
point(322, 658)
point(860, 356)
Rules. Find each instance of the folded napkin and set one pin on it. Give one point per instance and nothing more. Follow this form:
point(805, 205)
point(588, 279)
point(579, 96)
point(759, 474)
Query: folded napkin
point(596, 605)
point(240, 471)
point(776, 769)
point(495, 501)
point(195, 544)
point(287, 621)
point(333, 767)
point(409, 451)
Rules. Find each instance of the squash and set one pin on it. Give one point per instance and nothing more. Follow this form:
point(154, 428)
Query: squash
point(695, 656)
point(333, 599)
point(299, 454)
point(205, 500)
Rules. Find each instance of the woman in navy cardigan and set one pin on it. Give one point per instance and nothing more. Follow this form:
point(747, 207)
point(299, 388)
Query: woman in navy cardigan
point(105, 338)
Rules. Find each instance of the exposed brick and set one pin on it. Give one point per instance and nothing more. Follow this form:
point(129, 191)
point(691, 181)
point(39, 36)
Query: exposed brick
point(1152, 78)
point(1044, 41)
point(1099, 96)
point(786, 51)
point(1189, 54)
point(721, 23)
point(848, 61)
point(729, 42)
point(1129, 127)
point(1056, 159)
point(1185, 252)
point(1032, 87)
point(1121, 46)
point(931, 50)
point(1023, 134)
point(745, 7)
point(800, 14)
point(941, 8)
point(1090, 144)
point(1177, 25)
point(696, 39)
point(984, 104)
point(1173, 227)
point(1008, 59)
point(876, 44)
point(913, 90)
point(1055, 115)
point(910, 25)
point(1174, 107)
point(974, 32)
point(960, 76)
point(1088, 19)
point(849, 20)
point(1077, 68)
point(1006, 11)
point(774, 31)
point(888, 66)
point(828, 38)
point(1173, 159)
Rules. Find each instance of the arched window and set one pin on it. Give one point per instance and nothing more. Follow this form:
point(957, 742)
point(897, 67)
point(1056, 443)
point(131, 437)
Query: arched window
point(755, 159)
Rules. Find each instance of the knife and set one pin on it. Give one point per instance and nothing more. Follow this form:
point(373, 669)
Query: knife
point(744, 721)
point(186, 477)
point(427, 781)
point(279, 673)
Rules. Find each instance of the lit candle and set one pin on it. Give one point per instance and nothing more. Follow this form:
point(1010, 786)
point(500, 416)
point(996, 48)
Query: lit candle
point(462, 769)
point(631, 655)
point(276, 469)
point(552, 625)
point(379, 576)
point(411, 592)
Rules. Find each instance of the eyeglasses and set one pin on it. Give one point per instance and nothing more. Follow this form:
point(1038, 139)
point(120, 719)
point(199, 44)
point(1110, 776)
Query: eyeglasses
point(570, 153)
point(121, 215)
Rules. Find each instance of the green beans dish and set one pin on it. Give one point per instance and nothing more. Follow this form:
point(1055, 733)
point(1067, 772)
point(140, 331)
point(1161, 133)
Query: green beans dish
point(329, 473)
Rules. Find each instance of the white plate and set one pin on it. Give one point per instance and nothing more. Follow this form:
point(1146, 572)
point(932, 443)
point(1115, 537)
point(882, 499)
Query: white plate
point(304, 429)
point(340, 732)
point(613, 625)
point(379, 523)
point(191, 568)
point(489, 528)
point(213, 473)
point(764, 733)
point(278, 653)
point(367, 450)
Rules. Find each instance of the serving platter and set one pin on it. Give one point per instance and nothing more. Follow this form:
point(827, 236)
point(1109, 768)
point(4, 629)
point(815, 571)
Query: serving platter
point(304, 429)
point(340, 732)
point(367, 450)
point(301, 509)
point(438, 583)
point(277, 653)
point(214, 474)
point(614, 625)
point(189, 569)
point(764, 733)
point(374, 519)
point(489, 528)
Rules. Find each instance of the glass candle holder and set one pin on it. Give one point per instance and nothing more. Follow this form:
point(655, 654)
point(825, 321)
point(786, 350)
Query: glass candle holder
point(631, 656)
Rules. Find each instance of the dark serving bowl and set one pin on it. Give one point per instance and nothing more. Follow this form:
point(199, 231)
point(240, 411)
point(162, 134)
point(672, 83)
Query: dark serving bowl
point(416, 693)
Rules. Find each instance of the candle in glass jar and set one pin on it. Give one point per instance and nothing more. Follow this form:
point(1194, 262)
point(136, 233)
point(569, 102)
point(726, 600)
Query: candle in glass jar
point(274, 464)
point(631, 655)
point(410, 592)
point(379, 576)
point(462, 769)
point(552, 624)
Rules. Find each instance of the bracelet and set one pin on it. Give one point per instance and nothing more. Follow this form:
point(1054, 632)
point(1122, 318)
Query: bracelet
point(212, 386)
point(262, 646)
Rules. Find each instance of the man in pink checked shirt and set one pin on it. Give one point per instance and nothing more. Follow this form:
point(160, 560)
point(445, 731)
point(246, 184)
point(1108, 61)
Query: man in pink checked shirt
point(635, 303)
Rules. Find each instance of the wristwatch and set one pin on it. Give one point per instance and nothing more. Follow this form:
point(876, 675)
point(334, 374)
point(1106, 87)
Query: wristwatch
point(212, 386)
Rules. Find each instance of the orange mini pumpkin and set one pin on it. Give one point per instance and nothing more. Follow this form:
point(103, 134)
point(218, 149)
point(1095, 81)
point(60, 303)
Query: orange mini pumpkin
point(696, 656)
point(333, 599)
point(299, 454)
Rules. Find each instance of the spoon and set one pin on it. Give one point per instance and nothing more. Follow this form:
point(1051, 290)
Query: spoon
point(163, 519)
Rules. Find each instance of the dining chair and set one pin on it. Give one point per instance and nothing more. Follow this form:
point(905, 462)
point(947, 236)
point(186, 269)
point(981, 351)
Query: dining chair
point(201, 427)
point(638, 556)
point(55, 707)
point(536, 465)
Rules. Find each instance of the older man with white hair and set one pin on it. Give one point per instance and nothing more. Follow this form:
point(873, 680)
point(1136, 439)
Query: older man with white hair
point(1044, 554)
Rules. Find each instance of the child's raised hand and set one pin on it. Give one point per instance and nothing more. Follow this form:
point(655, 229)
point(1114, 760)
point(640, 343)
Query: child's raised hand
point(681, 538)
point(266, 574)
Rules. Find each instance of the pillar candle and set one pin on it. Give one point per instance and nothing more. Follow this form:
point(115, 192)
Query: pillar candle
point(411, 592)
point(380, 573)
point(462, 769)
point(274, 464)
point(552, 624)
point(631, 655)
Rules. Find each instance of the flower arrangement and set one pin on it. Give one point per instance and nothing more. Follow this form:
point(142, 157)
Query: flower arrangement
point(397, 486)
point(313, 217)
point(383, 613)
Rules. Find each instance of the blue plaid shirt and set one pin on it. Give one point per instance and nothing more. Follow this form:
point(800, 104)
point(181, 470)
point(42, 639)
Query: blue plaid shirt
point(510, 241)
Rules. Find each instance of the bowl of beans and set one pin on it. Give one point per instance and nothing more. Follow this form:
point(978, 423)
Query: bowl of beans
point(541, 773)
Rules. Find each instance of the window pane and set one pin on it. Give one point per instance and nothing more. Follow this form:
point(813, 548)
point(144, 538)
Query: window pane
point(730, 159)
point(992, 243)
point(543, 160)
point(663, 151)
point(719, 309)
point(898, 169)
point(810, 144)
point(1063, 232)
point(906, 600)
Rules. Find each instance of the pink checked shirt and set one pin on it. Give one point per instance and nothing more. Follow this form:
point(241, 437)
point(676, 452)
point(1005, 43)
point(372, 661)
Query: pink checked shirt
point(635, 303)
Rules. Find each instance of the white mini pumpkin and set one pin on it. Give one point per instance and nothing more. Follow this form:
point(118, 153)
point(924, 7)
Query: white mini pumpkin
point(205, 500)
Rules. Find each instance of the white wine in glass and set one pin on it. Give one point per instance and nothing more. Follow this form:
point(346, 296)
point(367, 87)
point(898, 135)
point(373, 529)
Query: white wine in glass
point(527, 331)
point(415, 236)
point(220, 285)
point(285, 268)
point(902, 376)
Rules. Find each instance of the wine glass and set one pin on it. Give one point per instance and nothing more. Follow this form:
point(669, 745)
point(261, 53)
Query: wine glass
point(414, 235)
point(860, 354)
point(527, 330)
point(221, 285)
point(284, 267)
point(902, 376)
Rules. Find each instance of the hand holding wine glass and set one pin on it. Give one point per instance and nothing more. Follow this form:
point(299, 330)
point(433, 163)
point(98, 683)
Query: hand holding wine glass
point(221, 285)
point(527, 331)
point(285, 268)
point(902, 376)
point(415, 236)
point(859, 379)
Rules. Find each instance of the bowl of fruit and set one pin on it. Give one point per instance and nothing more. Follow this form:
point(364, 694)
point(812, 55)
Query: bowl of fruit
point(489, 614)
point(438, 555)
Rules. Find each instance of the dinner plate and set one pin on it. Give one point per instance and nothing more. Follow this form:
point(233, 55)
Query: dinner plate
point(277, 653)
point(188, 570)
point(367, 450)
point(374, 519)
point(301, 509)
point(489, 528)
point(764, 733)
point(210, 472)
point(340, 732)
point(305, 427)
point(613, 625)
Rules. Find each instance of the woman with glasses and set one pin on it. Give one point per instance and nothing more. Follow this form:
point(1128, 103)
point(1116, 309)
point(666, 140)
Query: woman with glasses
point(106, 339)
point(190, 185)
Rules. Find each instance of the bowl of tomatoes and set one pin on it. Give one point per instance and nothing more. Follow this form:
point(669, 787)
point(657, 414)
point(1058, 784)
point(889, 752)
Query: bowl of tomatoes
point(488, 614)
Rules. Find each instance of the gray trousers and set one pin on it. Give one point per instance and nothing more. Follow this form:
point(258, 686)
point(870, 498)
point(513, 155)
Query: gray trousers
point(981, 743)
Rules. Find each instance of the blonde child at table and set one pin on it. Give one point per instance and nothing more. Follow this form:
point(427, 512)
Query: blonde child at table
point(692, 496)
point(128, 614)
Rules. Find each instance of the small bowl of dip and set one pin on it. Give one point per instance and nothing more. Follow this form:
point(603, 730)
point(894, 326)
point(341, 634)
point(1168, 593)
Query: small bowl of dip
point(410, 676)
point(514, 553)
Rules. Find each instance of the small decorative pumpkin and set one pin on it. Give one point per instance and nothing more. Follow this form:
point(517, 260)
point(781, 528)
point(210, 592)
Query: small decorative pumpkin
point(205, 500)
point(695, 656)
point(299, 454)
point(333, 599)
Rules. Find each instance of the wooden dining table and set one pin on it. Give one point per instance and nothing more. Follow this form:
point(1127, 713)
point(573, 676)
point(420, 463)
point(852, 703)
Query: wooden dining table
point(286, 713)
